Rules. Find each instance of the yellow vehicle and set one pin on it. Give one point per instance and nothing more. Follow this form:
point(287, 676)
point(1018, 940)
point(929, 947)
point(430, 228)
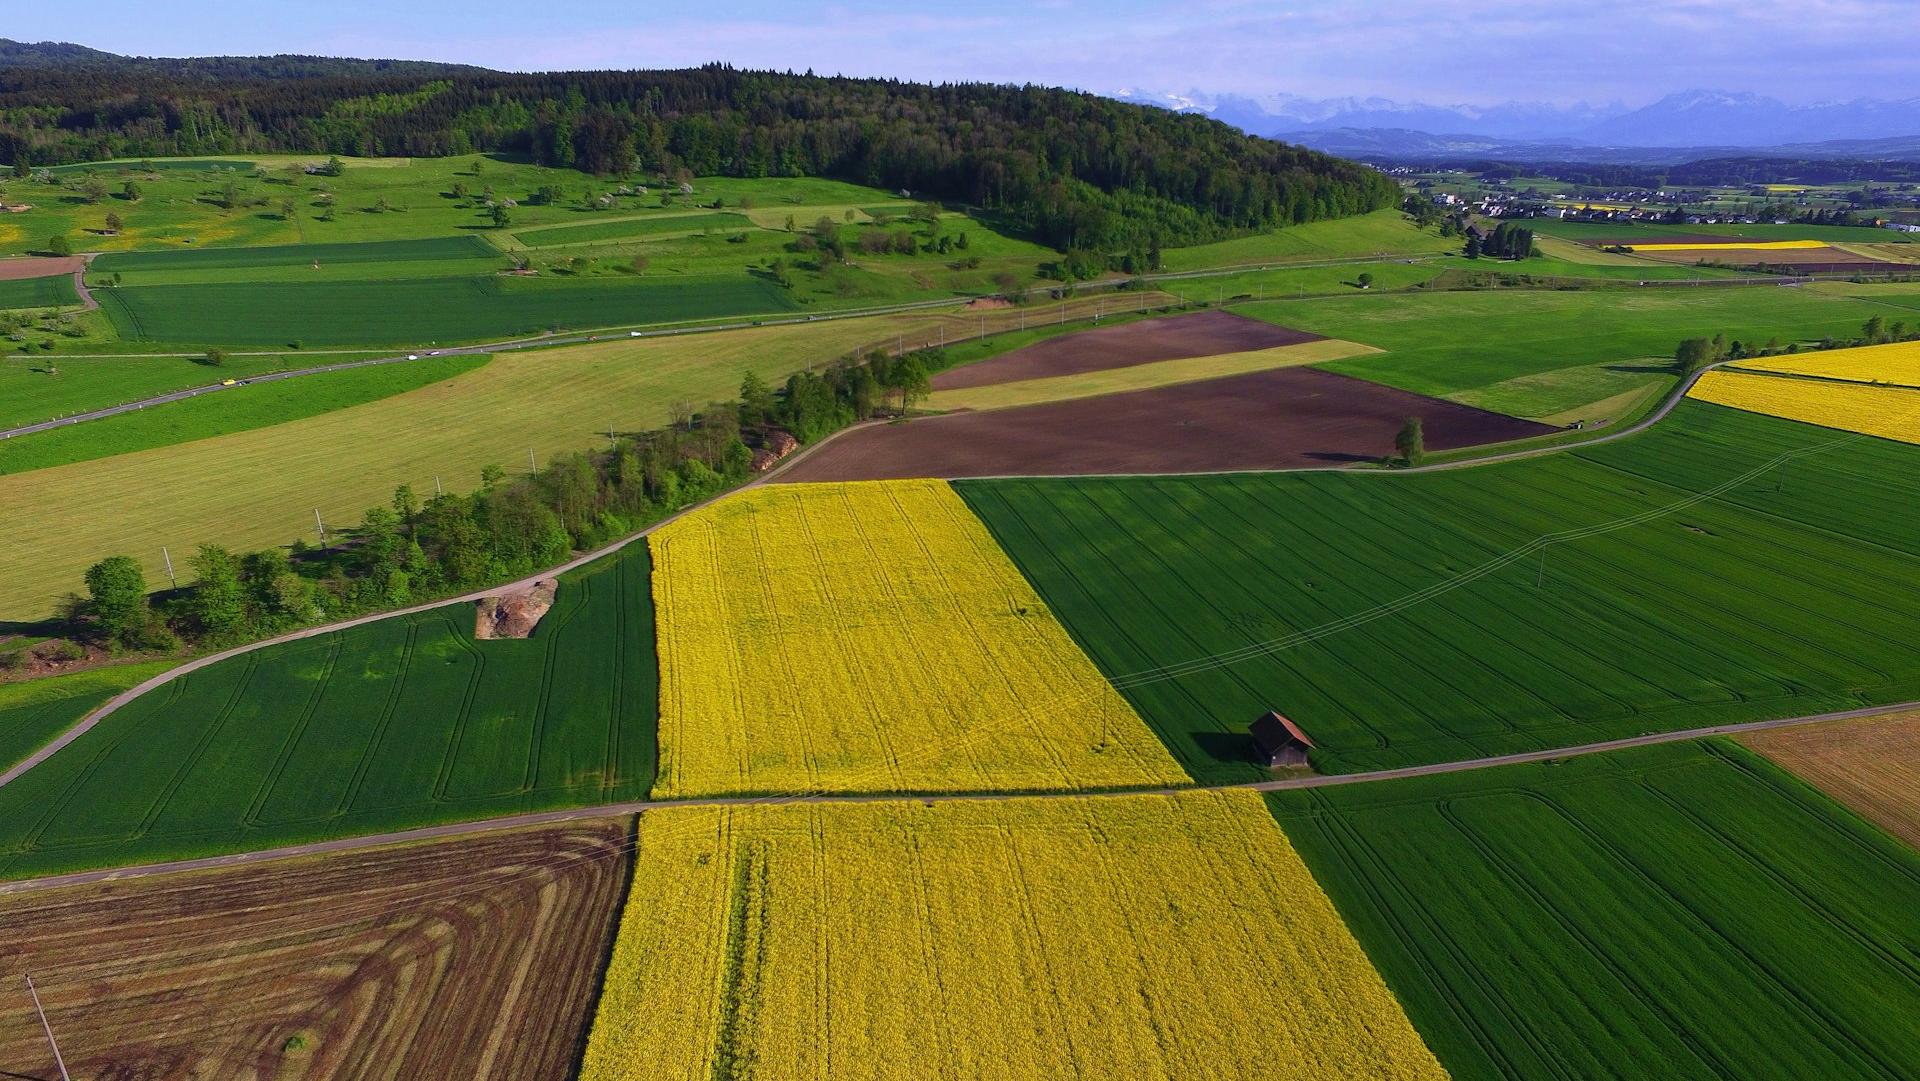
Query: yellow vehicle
point(228, 382)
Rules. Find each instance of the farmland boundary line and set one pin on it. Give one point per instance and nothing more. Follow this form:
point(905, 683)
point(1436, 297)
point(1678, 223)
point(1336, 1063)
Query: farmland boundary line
point(641, 807)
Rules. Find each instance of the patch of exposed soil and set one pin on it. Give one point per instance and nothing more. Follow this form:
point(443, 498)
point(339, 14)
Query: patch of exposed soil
point(472, 958)
point(38, 267)
point(1197, 334)
point(515, 614)
point(1280, 419)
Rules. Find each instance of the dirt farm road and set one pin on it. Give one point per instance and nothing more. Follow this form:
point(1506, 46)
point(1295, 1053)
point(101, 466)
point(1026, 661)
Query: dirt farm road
point(641, 807)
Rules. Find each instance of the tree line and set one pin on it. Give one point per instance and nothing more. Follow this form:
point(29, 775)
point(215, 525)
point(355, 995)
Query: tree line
point(412, 550)
point(1069, 169)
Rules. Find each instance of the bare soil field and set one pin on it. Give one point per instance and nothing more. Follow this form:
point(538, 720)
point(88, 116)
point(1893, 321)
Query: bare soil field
point(1871, 764)
point(455, 959)
point(1279, 419)
point(1196, 334)
point(38, 267)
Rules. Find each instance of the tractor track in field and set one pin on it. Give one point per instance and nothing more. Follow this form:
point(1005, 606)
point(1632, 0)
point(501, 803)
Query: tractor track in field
point(640, 807)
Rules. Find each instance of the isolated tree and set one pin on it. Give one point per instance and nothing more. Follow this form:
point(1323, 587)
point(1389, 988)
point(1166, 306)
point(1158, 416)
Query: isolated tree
point(93, 189)
point(286, 210)
point(1366, 280)
point(114, 223)
point(130, 191)
point(117, 592)
point(1692, 355)
point(500, 215)
point(1411, 443)
point(638, 264)
point(216, 357)
point(58, 244)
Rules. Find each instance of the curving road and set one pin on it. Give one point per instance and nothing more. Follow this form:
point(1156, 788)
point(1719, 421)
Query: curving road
point(614, 810)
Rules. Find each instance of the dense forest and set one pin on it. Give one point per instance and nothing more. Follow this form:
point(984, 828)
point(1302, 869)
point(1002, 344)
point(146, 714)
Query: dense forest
point(1073, 170)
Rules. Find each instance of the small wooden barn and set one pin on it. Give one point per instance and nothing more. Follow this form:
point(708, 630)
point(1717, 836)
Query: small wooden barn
point(1278, 742)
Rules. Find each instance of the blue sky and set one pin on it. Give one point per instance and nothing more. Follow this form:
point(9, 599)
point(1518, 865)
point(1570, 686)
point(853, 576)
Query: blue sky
point(1441, 51)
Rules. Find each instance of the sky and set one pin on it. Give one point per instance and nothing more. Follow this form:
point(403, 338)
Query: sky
point(1434, 51)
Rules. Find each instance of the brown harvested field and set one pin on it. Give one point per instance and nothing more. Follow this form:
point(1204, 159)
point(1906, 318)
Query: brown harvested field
point(1702, 239)
point(36, 267)
point(1284, 418)
point(1173, 337)
point(472, 958)
point(1871, 764)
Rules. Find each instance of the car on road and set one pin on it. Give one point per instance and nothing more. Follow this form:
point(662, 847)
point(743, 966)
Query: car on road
point(228, 382)
point(413, 356)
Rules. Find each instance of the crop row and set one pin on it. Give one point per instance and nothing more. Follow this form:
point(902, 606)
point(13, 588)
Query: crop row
point(397, 723)
point(1139, 936)
point(872, 637)
point(1388, 616)
point(1679, 911)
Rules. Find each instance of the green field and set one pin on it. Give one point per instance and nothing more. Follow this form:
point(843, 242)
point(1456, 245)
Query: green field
point(34, 712)
point(1606, 230)
point(400, 723)
point(1383, 232)
point(235, 409)
point(52, 291)
point(1684, 911)
point(631, 229)
point(1447, 343)
point(420, 311)
point(30, 393)
point(251, 259)
point(1376, 610)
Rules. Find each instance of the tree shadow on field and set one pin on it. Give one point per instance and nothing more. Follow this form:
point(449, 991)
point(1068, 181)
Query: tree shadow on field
point(1340, 456)
point(1235, 748)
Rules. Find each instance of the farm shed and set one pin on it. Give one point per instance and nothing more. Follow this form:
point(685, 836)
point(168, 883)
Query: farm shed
point(1278, 742)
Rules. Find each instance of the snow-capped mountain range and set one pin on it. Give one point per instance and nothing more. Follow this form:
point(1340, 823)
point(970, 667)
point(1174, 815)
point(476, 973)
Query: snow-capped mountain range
point(1686, 119)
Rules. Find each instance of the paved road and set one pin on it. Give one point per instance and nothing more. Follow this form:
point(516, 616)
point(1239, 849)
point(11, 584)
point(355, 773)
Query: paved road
point(613, 810)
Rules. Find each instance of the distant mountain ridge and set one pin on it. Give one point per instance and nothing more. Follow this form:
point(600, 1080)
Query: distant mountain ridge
point(1687, 122)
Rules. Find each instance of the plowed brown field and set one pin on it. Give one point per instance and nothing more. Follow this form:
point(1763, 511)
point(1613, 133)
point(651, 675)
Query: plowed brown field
point(1279, 419)
point(1199, 334)
point(1871, 764)
point(456, 959)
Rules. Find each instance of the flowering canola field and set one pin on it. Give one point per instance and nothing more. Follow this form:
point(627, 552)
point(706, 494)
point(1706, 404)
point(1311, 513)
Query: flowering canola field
point(1898, 363)
point(1743, 245)
point(872, 637)
point(1888, 412)
point(1119, 937)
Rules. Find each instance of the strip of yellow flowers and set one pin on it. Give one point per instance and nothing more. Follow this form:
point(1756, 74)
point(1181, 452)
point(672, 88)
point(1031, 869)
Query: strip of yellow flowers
point(1115, 937)
point(1888, 412)
point(1737, 245)
point(1897, 362)
point(872, 637)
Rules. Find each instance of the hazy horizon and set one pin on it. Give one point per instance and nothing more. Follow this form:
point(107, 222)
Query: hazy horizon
point(1472, 53)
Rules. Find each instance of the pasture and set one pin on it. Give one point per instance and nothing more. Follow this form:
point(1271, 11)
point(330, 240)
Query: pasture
point(790, 678)
point(1392, 618)
point(393, 724)
point(1869, 764)
point(261, 487)
point(46, 387)
point(631, 229)
point(234, 409)
point(466, 958)
point(911, 940)
point(1679, 911)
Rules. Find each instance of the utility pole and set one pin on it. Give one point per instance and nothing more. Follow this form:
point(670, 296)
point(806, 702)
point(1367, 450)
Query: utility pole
point(169, 561)
point(436, 485)
point(55, 1044)
point(320, 526)
point(532, 465)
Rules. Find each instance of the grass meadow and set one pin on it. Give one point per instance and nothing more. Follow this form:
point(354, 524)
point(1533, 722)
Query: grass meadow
point(1680, 911)
point(234, 409)
point(399, 723)
point(1386, 615)
point(52, 291)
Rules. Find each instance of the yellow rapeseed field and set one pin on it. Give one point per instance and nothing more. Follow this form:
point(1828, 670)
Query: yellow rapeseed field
point(872, 637)
point(1888, 412)
point(1130, 937)
point(1743, 245)
point(1897, 363)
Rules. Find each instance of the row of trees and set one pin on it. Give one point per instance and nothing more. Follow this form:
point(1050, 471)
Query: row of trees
point(412, 550)
point(1693, 354)
point(1070, 169)
point(1508, 240)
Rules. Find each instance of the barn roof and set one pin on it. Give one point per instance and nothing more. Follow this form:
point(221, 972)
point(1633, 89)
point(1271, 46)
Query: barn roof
point(1274, 730)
